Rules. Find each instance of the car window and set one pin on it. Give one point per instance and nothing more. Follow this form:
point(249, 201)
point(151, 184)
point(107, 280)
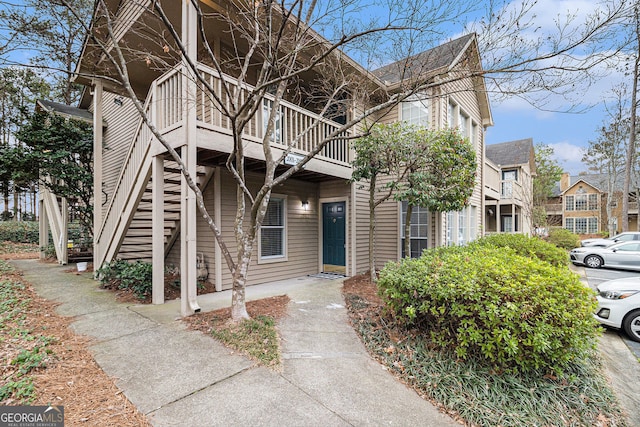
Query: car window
point(624, 237)
point(629, 247)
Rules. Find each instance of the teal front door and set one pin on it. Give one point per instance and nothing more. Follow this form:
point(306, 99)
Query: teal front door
point(333, 237)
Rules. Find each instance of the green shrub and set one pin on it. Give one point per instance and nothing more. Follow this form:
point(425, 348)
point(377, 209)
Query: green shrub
point(532, 247)
point(29, 232)
point(563, 238)
point(19, 231)
point(120, 274)
point(491, 304)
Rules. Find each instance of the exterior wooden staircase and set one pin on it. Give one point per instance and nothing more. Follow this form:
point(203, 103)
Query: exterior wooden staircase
point(136, 244)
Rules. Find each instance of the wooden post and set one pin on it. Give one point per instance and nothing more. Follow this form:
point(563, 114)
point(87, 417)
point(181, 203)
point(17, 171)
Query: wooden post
point(217, 214)
point(97, 168)
point(64, 231)
point(157, 229)
point(188, 243)
point(43, 224)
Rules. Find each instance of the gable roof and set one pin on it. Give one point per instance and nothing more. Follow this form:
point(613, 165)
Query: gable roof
point(65, 110)
point(441, 59)
point(443, 56)
point(511, 153)
point(595, 180)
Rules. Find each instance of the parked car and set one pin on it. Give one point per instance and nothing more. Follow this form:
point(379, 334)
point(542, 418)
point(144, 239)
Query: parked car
point(619, 255)
point(622, 237)
point(619, 305)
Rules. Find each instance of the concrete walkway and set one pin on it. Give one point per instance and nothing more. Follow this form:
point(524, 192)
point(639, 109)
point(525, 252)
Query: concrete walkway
point(184, 378)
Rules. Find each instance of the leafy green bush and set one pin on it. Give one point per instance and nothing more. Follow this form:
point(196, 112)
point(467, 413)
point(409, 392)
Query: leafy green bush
point(563, 238)
point(491, 304)
point(19, 231)
point(29, 232)
point(526, 246)
point(120, 274)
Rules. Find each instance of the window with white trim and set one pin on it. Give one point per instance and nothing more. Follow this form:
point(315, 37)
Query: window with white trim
point(593, 202)
point(581, 202)
point(473, 223)
point(463, 124)
point(461, 227)
point(568, 203)
point(419, 229)
point(568, 224)
point(267, 106)
point(582, 225)
point(273, 230)
point(449, 230)
point(451, 116)
point(416, 112)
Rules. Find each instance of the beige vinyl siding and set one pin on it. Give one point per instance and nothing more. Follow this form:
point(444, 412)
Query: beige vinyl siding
point(122, 122)
point(463, 94)
point(302, 234)
point(301, 228)
point(362, 229)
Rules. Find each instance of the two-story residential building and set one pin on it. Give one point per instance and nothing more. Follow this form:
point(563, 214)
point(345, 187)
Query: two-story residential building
point(580, 205)
point(508, 180)
point(316, 221)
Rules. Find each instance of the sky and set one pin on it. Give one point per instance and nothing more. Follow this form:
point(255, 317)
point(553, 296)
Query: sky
point(567, 133)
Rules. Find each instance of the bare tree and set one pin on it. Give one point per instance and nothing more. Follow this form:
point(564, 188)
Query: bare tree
point(273, 50)
point(606, 155)
point(633, 112)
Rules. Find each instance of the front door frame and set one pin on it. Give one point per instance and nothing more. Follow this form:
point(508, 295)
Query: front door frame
point(347, 229)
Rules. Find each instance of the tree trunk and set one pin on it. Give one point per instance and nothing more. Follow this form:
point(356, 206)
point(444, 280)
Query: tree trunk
point(631, 147)
point(372, 230)
point(407, 231)
point(238, 303)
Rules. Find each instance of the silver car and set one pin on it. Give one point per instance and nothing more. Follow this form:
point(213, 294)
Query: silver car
point(619, 255)
point(622, 237)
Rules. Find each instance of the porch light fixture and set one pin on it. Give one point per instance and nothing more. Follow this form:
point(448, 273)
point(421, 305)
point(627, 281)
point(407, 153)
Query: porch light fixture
point(118, 101)
point(305, 205)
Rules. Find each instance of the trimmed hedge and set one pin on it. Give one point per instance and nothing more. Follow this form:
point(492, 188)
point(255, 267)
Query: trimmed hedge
point(563, 238)
point(526, 246)
point(491, 304)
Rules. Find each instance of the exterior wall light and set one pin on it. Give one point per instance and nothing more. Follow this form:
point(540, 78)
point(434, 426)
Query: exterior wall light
point(305, 205)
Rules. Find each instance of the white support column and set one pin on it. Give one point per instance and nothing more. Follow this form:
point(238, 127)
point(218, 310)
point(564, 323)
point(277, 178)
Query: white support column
point(157, 208)
point(43, 224)
point(217, 216)
point(353, 230)
point(498, 219)
point(188, 210)
point(64, 231)
point(97, 166)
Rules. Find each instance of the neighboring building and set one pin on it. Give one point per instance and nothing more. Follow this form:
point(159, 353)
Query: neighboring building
point(316, 222)
point(580, 205)
point(508, 188)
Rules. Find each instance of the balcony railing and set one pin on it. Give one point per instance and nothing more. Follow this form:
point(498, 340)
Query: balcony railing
point(553, 208)
point(295, 127)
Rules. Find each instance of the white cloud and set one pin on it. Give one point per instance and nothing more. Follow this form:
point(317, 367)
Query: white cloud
point(569, 156)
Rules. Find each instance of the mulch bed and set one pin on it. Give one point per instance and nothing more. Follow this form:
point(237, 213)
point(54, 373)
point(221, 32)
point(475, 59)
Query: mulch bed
point(71, 377)
point(274, 307)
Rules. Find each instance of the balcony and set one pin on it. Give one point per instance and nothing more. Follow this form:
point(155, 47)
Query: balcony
point(295, 128)
point(553, 209)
